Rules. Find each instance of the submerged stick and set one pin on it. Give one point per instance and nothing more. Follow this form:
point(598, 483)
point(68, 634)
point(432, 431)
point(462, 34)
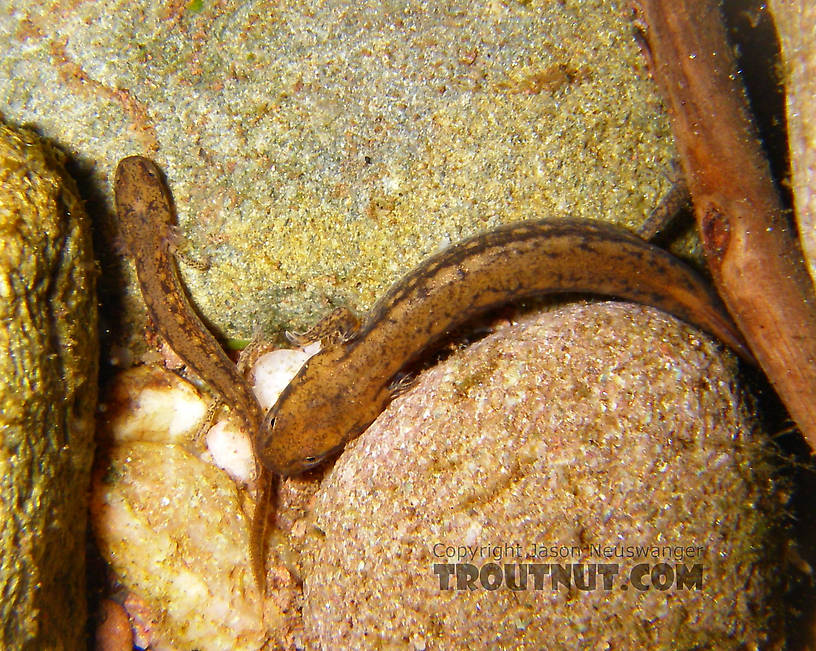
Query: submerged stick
point(751, 251)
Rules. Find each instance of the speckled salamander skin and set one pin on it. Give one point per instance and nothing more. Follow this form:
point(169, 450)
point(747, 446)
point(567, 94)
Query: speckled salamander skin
point(343, 388)
point(146, 224)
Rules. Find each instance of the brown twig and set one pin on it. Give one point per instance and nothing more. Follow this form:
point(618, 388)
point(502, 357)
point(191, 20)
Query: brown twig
point(754, 258)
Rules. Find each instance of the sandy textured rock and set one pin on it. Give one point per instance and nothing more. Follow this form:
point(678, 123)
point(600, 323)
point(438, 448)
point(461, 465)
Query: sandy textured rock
point(318, 150)
point(48, 388)
point(569, 429)
point(796, 23)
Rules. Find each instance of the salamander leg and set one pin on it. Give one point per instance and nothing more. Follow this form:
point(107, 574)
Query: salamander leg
point(337, 327)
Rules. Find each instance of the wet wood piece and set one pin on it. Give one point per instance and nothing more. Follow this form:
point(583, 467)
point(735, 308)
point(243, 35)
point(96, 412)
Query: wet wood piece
point(751, 249)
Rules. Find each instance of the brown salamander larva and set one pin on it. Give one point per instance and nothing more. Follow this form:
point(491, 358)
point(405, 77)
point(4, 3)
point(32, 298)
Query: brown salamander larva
point(344, 387)
point(146, 222)
point(147, 226)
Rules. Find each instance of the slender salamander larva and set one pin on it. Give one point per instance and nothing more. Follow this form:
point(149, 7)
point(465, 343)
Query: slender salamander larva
point(343, 388)
point(147, 226)
point(146, 223)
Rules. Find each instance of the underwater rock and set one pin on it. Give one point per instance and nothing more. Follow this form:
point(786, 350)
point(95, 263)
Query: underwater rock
point(174, 527)
point(173, 530)
point(562, 442)
point(48, 392)
point(320, 150)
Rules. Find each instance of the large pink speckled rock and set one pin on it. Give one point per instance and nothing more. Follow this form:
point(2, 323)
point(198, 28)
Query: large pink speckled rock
point(590, 427)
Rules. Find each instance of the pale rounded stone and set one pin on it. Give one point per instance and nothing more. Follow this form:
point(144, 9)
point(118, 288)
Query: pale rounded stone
point(148, 403)
point(174, 527)
point(174, 531)
point(231, 450)
point(274, 370)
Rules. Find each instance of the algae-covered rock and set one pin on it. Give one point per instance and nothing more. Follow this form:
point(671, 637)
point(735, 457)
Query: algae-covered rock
point(589, 436)
point(317, 150)
point(48, 389)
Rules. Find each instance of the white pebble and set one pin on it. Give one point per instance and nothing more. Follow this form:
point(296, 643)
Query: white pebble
point(275, 370)
point(231, 451)
point(154, 405)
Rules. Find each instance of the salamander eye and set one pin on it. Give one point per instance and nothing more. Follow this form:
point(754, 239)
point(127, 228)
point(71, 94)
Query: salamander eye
point(310, 460)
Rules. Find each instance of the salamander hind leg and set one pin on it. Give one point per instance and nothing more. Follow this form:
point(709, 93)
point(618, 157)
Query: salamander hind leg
point(675, 202)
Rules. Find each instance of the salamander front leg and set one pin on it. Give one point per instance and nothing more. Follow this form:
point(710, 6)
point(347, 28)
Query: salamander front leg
point(337, 327)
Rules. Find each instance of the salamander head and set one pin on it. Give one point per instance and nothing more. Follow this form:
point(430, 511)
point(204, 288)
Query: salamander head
point(304, 426)
point(326, 405)
point(290, 445)
point(142, 202)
